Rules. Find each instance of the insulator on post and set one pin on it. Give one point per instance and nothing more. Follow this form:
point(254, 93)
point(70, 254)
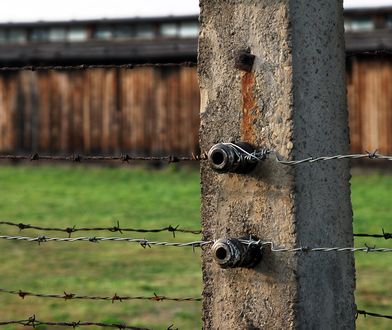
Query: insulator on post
point(236, 157)
point(232, 253)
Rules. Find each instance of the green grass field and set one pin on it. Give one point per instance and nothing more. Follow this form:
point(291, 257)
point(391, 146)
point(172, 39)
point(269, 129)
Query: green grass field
point(82, 196)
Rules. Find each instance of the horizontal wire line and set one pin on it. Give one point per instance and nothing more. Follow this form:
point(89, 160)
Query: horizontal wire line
point(123, 158)
point(143, 242)
point(383, 235)
point(77, 67)
point(366, 313)
point(116, 228)
point(71, 296)
point(33, 322)
point(95, 66)
point(175, 159)
point(374, 155)
point(146, 243)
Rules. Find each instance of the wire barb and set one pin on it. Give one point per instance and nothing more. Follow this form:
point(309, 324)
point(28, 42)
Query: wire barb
point(113, 229)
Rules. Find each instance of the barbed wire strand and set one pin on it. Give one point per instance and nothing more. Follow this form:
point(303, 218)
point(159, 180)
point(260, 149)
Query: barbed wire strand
point(115, 228)
point(129, 66)
point(366, 313)
point(383, 235)
point(79, 67)
point(71, 296)
point(262, 154)
point(143, 242)
point(124, 158)
point(33, 322)
point(146, 243)
point(376, 52)
point(368, 155)
point(118, 228)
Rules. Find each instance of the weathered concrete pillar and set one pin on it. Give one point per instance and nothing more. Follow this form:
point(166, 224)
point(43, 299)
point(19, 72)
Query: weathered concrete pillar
point(293, 102)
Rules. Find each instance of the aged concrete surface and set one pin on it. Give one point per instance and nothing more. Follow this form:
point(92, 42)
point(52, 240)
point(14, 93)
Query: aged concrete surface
point(293, 102)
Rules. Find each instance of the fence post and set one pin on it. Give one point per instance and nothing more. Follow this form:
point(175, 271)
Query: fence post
point(292, 101)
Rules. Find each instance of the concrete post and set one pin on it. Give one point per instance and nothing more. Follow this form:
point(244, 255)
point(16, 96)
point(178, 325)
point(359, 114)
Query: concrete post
point(293, 102)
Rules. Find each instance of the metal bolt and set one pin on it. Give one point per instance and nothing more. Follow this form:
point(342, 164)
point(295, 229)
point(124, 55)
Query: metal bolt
point(244, 61)
point(225, 158)
point(231, 253)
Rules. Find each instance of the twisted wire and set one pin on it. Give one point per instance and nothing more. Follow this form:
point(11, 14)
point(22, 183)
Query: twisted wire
point(115, 228)
point(143, 242)
point(366, 248)
point(123, 158)
point(368, 155)
point(146, 243)
point(262, 154)
point(94, 66)
point(383, 235)
point(366, 313)
point(115, 297)
point(33, 322)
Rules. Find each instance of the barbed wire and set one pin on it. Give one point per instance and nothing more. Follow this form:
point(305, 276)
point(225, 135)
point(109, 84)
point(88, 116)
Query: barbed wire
point(79, 67)
point(115, 297)
point(33, 322)
point(258, 155)
point(366, 313)
point(383, 235)
point(369, 52)
point(115, 228)
point(143, 242)
point(146, 243)
point(118, 228)
point(366, 248)
point(262, 154)
point(123, 158)
point(369, 155)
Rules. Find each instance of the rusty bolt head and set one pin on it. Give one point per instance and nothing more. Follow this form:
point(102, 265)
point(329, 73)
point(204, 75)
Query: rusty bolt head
point(244, 61)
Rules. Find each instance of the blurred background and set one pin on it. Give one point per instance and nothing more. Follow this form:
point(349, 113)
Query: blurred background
point(147, 111)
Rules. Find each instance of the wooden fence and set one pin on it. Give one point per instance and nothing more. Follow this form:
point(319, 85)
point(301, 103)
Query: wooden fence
point(142, 111)
point(154, 110)
point(369, 86)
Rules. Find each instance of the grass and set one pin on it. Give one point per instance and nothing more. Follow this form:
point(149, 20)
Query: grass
point(82, 196)
point(101, 196)
point(372, 205)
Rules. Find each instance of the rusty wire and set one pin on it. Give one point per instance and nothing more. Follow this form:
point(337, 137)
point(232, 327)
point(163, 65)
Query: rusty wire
point(115, 228)
point(71, 296)
point(146, 243)
point(33, 322)
point(123, 158)
point(366, 313)
point(94, 66)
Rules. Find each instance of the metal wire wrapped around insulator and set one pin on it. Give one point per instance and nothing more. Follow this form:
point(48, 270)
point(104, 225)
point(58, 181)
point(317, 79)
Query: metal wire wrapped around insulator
point(239, 157)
